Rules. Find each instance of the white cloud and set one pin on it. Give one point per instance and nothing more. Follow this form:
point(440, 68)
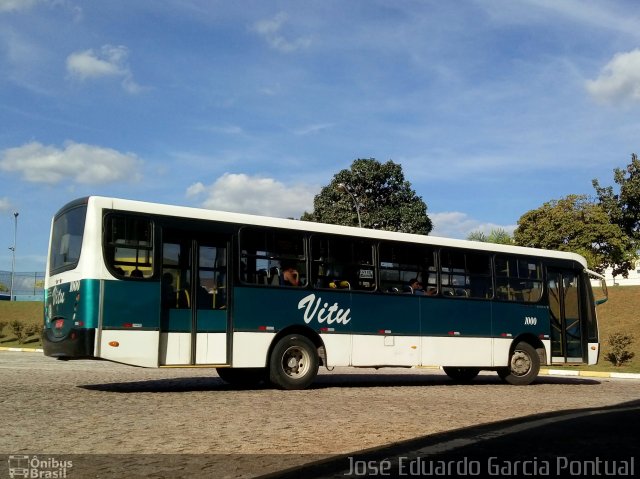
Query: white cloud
point(78, 162)
point(311, 129)
point(195, 190)
point(619, 80)
point(254, 194)
point(5, 205)
point(15, 5)
point(109, 61)
point(454, 224)
point(271, 30)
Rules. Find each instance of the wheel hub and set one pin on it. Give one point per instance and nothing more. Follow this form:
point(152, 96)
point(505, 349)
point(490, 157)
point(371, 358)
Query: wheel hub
point(295, 362)
point(520, 363)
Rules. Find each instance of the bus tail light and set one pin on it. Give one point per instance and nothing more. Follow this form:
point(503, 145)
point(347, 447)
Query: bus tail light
point(114, 344)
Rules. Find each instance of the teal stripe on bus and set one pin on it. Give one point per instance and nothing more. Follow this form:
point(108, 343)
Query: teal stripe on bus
point(129, 304)
point(410, 315)
point(76, 302)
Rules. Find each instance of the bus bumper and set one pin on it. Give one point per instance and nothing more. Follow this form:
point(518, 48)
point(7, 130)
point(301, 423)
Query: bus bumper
point(77, 344)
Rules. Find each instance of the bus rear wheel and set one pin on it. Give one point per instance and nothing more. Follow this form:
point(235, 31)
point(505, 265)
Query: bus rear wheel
point(293, 363)
point(461, 375)
point(524, 366)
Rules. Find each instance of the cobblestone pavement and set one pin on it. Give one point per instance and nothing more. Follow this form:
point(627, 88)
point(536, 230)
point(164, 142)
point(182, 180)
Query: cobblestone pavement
point(101, 408)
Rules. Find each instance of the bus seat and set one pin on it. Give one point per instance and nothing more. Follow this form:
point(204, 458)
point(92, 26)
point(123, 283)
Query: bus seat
point(274, 277)
point(261, 276)
point(184, 299)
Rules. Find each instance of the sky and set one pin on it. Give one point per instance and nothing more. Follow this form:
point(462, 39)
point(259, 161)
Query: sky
point(492, 107)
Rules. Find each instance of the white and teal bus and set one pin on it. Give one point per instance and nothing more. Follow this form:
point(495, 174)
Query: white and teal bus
point(166, 286)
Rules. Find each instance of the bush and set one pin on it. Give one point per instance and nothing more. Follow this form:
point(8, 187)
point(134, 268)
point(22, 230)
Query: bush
point(619, 344)
point(2, 325)
point(18, 329)
point(33, 330)
point(24, 331)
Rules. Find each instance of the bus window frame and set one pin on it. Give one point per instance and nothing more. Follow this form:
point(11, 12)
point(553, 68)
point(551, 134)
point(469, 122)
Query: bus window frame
point(420, 273)
point(74, 264)
point(541, 280)
point(343, 284)
point(466, 274)
point(240, 256)
point(152, 244)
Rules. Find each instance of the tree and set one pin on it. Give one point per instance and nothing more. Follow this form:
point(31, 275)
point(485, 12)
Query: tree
point(384, 198)
point(623, 208)
point(498, 236)
point(576, 224)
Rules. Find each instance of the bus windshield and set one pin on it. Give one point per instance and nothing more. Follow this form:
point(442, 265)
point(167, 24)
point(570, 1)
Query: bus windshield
point(66, 239)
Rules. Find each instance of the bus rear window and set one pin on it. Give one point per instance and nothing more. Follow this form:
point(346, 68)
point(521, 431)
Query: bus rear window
point(66, 239)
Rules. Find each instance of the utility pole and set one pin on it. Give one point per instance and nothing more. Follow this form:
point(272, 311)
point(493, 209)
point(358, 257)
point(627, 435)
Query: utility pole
point(345, 188)
point(13, 253)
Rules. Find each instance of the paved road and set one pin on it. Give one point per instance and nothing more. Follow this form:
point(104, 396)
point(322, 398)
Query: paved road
point(110, 419)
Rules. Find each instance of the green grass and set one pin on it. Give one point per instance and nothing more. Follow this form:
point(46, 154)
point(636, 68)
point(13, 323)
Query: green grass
point(620, 314)
point(27, 312)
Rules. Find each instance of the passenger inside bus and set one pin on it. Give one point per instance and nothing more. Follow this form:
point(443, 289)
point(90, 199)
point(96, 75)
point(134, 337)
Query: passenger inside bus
point(290, 275)
point(136, 273)
point(168, 294)
point(416, 286)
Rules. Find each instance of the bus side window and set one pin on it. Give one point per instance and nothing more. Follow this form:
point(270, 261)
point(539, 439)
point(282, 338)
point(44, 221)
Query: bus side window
point(128, 246)
point(518, 279)
point(407, 269)
point(465, 274)
point(273, 257)
point(342, 263)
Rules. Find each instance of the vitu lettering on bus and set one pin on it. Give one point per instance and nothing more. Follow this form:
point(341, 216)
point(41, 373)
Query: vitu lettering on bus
point(57, 296)
point(327, 313)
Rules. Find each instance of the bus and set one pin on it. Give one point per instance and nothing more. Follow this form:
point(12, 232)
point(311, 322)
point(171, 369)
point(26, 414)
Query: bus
point(271, 300)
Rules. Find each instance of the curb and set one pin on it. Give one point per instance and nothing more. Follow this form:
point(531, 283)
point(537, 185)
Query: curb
point(589, 374)
point(21, 350)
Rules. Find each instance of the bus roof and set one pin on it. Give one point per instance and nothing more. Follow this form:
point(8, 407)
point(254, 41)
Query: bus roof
point(255, 220)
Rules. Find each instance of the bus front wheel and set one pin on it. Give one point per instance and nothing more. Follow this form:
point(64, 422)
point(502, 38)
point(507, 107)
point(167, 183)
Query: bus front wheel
point(293, 363)
point(524, 366)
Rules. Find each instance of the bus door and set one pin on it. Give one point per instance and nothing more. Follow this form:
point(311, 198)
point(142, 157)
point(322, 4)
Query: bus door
point(567, 335)
point(194, 299)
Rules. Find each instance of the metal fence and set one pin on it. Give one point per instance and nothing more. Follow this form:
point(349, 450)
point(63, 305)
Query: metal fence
point(26, 286)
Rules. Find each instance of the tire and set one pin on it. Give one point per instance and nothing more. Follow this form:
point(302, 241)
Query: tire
point(461, 375)
point(524, 366)
point(293, 363)
point(242, 377)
